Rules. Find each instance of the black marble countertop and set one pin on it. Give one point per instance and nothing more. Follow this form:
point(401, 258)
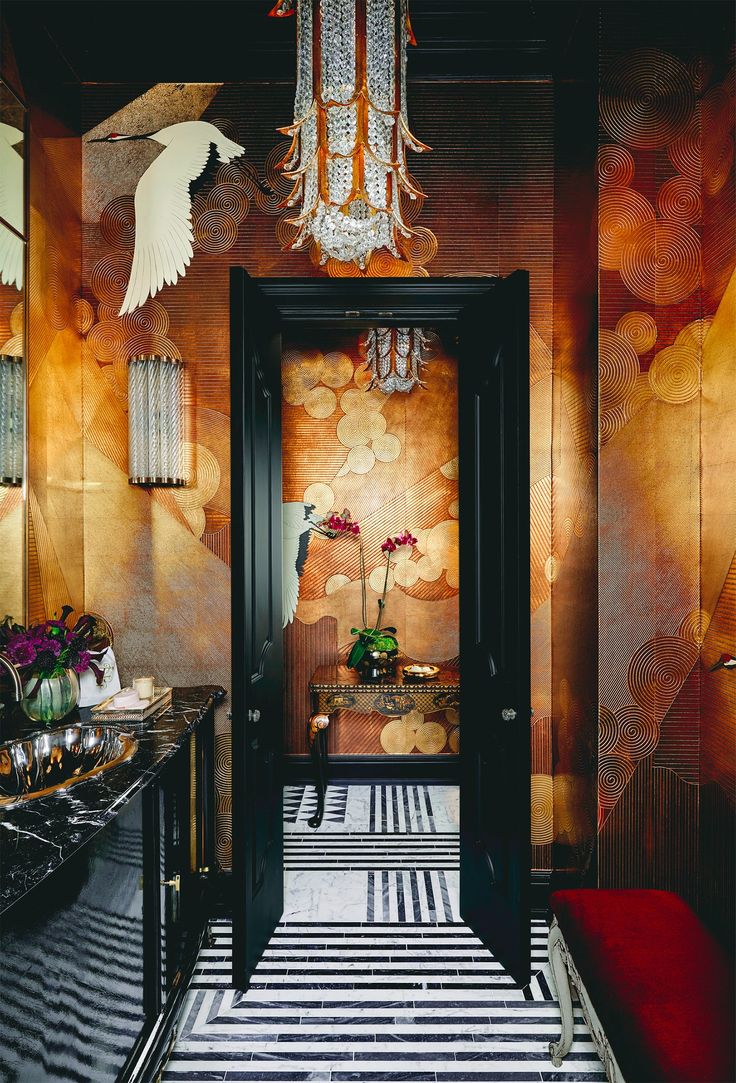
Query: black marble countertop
point(38, 836)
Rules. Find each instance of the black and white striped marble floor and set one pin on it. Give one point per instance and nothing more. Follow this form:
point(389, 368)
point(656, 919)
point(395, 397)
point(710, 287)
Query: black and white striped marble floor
point(374, 977)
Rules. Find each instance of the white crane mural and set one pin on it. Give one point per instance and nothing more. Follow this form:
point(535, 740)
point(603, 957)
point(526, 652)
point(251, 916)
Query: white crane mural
point(298, 523)
point(11, 206)
point(163, 203)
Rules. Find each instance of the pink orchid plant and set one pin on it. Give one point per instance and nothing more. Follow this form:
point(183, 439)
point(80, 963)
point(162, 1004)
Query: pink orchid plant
point(379, 638)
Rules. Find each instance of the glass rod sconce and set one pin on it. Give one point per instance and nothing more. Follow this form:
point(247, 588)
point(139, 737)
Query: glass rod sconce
point(155, 420)
point(11, 419)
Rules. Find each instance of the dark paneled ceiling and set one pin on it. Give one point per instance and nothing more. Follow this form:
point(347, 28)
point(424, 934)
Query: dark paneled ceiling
point(148, 41)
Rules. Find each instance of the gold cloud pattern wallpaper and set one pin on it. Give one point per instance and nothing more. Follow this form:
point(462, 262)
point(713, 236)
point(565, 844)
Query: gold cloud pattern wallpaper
point(392, 461)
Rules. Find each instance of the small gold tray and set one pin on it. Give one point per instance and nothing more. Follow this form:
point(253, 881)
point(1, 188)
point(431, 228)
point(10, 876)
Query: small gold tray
point(161, 699)
point(422, 672)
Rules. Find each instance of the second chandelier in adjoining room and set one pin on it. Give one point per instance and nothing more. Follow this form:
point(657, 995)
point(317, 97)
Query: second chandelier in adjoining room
point(350, 132)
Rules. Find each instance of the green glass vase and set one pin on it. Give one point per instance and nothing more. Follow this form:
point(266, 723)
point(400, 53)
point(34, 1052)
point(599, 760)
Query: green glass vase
point(55, 698)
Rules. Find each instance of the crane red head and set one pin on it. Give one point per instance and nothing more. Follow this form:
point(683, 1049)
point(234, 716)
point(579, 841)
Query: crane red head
point(726, 661)
point(116, 137)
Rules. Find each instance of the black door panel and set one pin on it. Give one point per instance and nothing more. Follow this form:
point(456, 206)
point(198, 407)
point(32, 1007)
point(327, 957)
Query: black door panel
point(494, 621)
point(256, 618)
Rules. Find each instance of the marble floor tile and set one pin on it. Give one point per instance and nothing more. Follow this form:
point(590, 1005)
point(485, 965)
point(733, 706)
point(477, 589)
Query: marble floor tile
point(371, 975)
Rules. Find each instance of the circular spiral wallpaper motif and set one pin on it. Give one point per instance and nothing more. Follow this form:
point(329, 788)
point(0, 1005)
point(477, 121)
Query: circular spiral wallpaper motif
point(647, 99)
point(396, 738)
point(620, 213)
point(717, 147)
point(337, 269)
point(430, 738)
point(268, 202)
point(658, 670)
point(84, 315)
point(117, 222)
point(695, 626)
point(109, 279)
point(638, 732)
point(230, 198)
point(234, 173)
point(619, 368)
point(542, 810)
point(214, 230)
point(660, 262)
point(607, 730)
point(383, 265)
point(285, 231)
point(150, 319)
point(694, 334)
point(275, 177)
point(684, 152)
point(56, 296)
point(679, 198)
point(422, 246)
point(612, 421)
point(615, 166)
point(613, 774)
point(639, 329)
point(674, 374)
point(107, 341)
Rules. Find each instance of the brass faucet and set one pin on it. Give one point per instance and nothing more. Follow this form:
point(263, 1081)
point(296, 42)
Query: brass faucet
point(14, 676)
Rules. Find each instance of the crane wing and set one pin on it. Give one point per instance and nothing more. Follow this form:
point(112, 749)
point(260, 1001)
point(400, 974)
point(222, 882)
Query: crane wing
point(294, 554)
point(11, 259)
point(11, 179)
point(163, 218)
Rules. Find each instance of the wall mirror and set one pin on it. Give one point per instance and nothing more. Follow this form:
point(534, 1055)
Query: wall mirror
point(13, 457)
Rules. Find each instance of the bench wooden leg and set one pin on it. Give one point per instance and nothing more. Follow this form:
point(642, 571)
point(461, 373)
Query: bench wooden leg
point(561, 981)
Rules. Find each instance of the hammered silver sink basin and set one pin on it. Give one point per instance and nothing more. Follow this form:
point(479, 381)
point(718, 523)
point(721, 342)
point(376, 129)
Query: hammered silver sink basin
point(36, 766)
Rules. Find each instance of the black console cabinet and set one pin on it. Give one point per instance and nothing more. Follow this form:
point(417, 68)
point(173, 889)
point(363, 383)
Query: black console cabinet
point(97, 957)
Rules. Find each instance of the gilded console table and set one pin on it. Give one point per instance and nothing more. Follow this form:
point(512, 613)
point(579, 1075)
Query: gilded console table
point(334, 688)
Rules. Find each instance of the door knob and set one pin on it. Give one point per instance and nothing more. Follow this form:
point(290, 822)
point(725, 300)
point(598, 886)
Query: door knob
point(254, 716)
point(508, 714)
point(175, 882)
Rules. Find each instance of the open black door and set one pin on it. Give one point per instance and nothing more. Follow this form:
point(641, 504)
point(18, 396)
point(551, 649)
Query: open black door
point(257, 649)
point(494, 621)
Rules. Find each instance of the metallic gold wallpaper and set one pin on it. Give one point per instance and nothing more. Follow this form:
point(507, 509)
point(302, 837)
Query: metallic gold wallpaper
point(157, 563)
point(55, 558)
point(668, 503)
point(634, 525)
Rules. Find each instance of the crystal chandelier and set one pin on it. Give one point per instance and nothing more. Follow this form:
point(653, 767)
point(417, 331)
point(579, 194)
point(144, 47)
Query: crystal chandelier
point(395, 356)
point(350, 133)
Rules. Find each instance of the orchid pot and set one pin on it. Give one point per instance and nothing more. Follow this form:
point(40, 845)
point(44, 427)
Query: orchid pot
point(49, 657)
point(374, 652)
point(376, 649)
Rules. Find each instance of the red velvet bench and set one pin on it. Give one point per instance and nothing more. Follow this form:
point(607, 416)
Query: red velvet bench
point(655, 988)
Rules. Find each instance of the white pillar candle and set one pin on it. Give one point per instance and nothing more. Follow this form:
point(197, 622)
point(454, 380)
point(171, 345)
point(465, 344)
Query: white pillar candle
point(144, 687)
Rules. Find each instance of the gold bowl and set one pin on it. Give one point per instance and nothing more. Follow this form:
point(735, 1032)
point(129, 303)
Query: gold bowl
point(421, 671)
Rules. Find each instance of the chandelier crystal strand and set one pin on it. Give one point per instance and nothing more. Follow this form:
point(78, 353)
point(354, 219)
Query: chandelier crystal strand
point(350, 133)
point(395, 357)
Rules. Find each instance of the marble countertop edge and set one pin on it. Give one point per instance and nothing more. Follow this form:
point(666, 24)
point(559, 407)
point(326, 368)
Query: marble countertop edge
point(38, 836)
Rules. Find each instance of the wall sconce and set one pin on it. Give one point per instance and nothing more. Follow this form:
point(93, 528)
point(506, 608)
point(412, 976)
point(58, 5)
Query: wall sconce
point(155, 420)
point(11, 419)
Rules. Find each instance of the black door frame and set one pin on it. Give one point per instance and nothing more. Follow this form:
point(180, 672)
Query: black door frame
point(354, 304)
